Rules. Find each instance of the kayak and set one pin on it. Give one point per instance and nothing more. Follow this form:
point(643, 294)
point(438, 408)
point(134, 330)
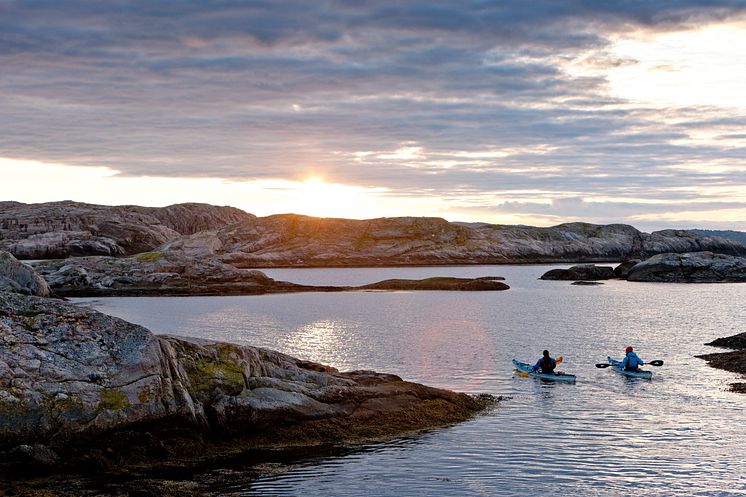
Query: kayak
point(528, 368)
point(617, 365)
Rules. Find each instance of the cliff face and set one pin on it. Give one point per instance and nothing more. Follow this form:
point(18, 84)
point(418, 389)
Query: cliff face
point(64, 229)
point(291, 240)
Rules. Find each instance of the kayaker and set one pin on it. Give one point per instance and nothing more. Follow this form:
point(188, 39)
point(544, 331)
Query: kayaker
point(631, 362)
point(546, 363)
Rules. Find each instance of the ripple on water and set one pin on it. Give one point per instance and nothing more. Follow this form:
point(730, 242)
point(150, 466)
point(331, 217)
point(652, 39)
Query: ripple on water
point(607, 435)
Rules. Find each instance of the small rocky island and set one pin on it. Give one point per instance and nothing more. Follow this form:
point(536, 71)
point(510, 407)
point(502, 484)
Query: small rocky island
point(692, 267)
point(83, 391)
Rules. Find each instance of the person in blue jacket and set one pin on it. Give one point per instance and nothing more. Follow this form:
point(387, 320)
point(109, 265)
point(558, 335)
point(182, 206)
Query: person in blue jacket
point(546, 364)
point(631, 362)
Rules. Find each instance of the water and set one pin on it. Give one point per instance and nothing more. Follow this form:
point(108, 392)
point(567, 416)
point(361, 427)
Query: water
point(679, 434)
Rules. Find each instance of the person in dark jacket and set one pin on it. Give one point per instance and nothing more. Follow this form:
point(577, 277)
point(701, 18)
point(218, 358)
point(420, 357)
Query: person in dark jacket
point(631, 362)
point(546, 364)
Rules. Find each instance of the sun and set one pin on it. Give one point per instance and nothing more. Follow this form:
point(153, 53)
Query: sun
point(316, 197)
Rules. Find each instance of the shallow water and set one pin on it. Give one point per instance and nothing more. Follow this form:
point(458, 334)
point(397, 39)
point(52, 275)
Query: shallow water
point(679, 434)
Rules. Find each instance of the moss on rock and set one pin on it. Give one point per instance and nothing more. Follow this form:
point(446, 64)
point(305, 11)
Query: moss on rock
point(113, 399)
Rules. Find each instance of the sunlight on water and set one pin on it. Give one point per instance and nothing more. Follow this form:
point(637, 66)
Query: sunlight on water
point(679, 434)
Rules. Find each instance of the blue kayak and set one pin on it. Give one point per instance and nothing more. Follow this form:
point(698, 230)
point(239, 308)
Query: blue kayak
point(639, 373)
point(528, 369)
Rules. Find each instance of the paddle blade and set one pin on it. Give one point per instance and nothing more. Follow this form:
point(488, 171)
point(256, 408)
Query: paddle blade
point(559, 360)
point(521, 373)
point(603, 365)
point(656, 363)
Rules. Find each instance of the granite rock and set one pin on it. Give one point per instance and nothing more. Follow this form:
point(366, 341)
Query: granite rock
point(695, 267)
point(70, 376)
point(20, 278)
point(585, 272)
point(293, 240)
point(65, 229)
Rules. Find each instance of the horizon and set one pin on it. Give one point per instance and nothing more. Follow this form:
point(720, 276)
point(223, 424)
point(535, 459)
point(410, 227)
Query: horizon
point(503, 114)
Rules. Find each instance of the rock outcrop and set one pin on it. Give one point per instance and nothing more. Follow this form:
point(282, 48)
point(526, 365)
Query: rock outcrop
point(585, 272)
point(83, 385)
point(20, 278)
point(441, 283)
point(696, 267)
point(734, 361)
point(622, 270)
point(292, 240)
point(64, 229)
point(171, 273)
point(731, 342)
point(156, 273)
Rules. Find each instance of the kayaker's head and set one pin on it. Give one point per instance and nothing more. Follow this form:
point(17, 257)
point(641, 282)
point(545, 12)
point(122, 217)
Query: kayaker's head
point(546, 353)
point(628, 350)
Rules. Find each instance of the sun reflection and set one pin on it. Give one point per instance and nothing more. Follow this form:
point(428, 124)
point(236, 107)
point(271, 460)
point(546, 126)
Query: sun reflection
point(324, 341)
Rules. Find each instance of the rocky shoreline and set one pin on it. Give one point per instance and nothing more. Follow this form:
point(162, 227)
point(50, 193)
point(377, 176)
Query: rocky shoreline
point(733, 361)
point(82, 392)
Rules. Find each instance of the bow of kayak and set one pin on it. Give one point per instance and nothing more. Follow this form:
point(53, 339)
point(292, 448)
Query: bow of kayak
point(528, 369)
point(639, 373)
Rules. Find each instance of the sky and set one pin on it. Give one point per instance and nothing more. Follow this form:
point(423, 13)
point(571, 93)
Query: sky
point(517, 112)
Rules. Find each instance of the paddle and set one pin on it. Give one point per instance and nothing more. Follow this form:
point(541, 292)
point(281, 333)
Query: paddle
point(651, 363)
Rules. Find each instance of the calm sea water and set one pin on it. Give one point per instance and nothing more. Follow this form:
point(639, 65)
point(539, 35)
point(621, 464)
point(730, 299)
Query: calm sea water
point(607, 435)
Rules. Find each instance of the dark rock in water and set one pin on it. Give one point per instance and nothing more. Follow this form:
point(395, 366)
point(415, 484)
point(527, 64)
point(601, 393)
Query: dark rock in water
point(586, 283)
point(586, 272)
point(20, 278)
point(440, 283)
point(730, 361)
point(69, 229)
point(695, 267)
point(104, 393)
point(731, 342)
point(622, 270)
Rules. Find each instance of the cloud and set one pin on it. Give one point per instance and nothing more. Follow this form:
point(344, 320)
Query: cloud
point(253, 90)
